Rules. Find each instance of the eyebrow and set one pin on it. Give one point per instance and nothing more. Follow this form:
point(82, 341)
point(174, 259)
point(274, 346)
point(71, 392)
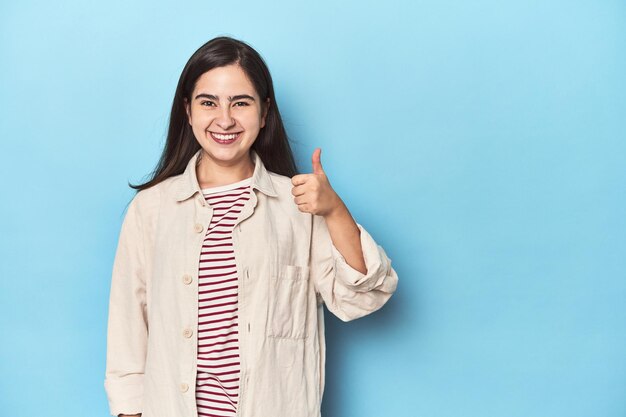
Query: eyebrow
point(233, 98)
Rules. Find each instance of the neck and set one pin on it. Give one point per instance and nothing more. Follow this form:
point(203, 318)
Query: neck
point(212, 173)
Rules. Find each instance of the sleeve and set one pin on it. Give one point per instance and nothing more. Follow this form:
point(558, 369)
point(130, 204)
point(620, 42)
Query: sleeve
point(348, 293)
point(127, 332)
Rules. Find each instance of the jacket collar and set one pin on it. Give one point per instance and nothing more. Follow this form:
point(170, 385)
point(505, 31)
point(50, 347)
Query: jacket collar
point(188, 182)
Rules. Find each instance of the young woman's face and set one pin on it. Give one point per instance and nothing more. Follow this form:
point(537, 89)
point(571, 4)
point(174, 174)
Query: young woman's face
point(226, 114)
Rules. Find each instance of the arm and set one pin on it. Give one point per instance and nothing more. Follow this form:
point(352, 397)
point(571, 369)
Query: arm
point(347, 292)
point(127, 331)
point(352, 274)
point(314, 194)
point(346, 237)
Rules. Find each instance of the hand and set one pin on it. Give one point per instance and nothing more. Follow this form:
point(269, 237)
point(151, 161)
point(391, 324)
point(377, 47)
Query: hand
point(313, 193)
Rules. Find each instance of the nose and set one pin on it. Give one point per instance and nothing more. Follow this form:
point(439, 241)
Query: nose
point(225, 119)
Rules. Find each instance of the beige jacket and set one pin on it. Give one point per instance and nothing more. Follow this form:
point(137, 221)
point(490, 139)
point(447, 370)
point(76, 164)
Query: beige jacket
point(288, 268)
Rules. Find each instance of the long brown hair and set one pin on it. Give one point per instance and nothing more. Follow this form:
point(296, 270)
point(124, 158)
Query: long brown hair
point(272, 143)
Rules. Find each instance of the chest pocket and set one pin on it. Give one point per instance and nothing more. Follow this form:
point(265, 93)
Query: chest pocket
point(288, 302)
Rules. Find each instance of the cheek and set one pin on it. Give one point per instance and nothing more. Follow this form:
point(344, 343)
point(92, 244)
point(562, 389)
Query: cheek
point(255, 120)
point(250, 121)
point(200, 121)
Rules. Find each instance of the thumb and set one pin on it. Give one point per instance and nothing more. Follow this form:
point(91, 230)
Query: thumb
point(317, 161)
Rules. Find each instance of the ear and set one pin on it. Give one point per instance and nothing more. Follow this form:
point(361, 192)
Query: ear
point(266, 108)
point(187, 110)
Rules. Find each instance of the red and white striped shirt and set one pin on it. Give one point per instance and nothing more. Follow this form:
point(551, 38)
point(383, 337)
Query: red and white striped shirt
point(217, 381)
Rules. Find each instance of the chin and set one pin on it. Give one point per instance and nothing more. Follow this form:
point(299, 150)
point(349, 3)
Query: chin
point(226, 154)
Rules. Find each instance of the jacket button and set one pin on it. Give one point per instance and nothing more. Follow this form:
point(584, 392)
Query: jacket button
point(197, 227)
point(187, 279)
point(187, 333)
point(184, 387)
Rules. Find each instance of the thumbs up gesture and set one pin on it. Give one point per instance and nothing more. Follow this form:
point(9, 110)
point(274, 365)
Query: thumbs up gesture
point(312, 192)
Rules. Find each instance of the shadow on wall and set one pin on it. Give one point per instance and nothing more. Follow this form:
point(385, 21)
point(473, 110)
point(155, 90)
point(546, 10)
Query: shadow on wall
point(340, 336)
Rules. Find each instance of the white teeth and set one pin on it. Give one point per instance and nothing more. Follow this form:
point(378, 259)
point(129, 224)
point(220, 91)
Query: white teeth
point(225, 137)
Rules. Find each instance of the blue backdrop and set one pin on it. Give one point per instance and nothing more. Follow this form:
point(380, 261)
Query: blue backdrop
point(483, 144)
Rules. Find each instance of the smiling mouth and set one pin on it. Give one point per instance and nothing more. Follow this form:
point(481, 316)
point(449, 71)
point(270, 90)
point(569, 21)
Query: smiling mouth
point(225, 139)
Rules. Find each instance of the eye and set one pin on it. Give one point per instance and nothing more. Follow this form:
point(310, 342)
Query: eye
point(207, 103)
point(241, 104)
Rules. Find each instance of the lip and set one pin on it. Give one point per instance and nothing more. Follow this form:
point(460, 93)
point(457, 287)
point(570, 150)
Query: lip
point(225, 142)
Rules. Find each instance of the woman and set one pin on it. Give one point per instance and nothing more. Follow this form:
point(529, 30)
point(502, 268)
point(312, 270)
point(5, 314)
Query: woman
point(226, 256)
